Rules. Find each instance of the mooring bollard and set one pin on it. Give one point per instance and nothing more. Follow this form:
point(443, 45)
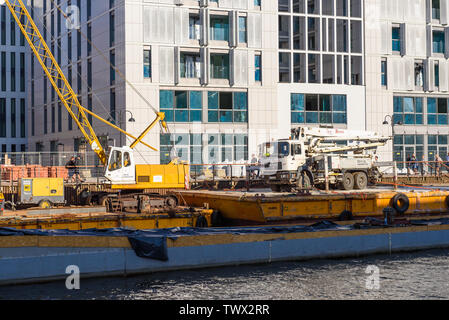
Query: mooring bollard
point(388, 215)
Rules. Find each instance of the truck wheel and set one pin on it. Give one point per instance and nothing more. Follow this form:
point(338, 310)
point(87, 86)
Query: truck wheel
point(360, 180)
point(44, 204)
point(348, 181)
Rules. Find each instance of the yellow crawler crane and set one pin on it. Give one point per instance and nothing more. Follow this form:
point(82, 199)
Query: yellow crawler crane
point(121, 171)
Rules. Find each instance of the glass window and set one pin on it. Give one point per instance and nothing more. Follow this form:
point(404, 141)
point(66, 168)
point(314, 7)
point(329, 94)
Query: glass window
point(438, 41)
point(181, 106)
point(219, 65)
point(258, 67)
point(196, 100)
point(115, 161)
point(396, 39)
point(219, 28)
point(232, 107)
point(242, 29)
point(147, 64)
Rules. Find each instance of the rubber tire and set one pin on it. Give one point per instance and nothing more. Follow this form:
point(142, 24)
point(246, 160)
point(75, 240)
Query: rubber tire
point(396, 203)
point(201, 222)
point(348, 182)
point(45, 204)
point(171, 202)
point(345, 216)
point(360, 180)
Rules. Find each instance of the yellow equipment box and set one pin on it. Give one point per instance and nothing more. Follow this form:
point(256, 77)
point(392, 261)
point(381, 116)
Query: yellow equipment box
point(41, 191)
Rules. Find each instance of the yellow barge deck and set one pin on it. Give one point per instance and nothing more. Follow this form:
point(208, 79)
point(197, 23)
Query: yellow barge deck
point(182, 218)
point(271, 207)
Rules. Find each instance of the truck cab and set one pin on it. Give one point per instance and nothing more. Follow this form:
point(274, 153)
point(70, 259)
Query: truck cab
point(280, 156)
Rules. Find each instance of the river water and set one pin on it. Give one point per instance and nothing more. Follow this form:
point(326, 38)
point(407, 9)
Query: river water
point(418, 275)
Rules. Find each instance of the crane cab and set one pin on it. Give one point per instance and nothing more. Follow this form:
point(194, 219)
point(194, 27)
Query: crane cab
point(123, 173)
point(121, 168)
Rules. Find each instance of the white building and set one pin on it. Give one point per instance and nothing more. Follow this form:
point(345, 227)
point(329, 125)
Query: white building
point(216, 84)
point(230, 74)
point(13, 101)
point(407, 75)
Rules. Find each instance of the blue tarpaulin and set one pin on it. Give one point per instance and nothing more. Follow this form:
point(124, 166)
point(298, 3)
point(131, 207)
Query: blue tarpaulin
point(152, 243)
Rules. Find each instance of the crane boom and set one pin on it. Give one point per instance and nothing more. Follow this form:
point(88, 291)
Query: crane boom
point(55, 74)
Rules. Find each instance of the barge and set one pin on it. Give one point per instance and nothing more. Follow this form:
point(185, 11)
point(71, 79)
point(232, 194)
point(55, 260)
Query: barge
point(28, 256)
point(269, 207)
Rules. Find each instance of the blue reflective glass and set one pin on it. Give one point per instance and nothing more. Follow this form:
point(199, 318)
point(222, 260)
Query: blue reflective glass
point(325, 102)
point(169, 115)
point(297, 117)
point(196, 101)
point(297, 102)
point(431, 119)
point(438, 41)
point(339, 118)
point(242, 29)
point(195, 116)
point(240, 116)
point(258, 76)
point(397, 104)
point(396, 39)
point(431, 105)
point(146, 71)
point(432, 139)
point(225, 116)
point(257, 61)
point(419, 119)
point(181, 99)
point(339, 103)
point(181, 116)
point(166, 99)
point(325, 117)
point(165, 155)
point(442, 119)
point(418, 105)
point(165, 139)
point(398, 118)
point(408, 105)
point(212, 116)
point(240, 101)
point(398, 139)
point(311, 117)
point(409, 119)
point(220, 29)
point(212, 99)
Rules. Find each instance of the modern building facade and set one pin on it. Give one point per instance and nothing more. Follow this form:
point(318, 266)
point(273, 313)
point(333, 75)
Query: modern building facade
point(211, 66)
point(14, 57)
point(231, 74)
point(407, 76)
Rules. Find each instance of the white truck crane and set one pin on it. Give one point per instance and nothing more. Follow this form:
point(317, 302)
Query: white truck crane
point(300, 162)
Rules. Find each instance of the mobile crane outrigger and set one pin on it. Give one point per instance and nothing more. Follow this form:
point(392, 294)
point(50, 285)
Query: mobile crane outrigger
point(124, 176)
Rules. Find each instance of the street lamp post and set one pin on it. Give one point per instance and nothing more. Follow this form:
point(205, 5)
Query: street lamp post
point(60, 144)
point(392, 133)
point(392, 123)
point(120, 123)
